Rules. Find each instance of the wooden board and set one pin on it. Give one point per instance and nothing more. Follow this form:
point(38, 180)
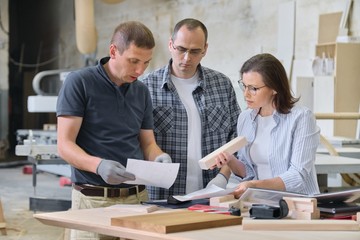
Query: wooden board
point(230, 147)
point(329, 24)
point(300, 225)
point(175, 221)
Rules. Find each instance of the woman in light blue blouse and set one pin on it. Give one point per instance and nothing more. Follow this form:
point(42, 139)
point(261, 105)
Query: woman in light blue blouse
point(282, 138)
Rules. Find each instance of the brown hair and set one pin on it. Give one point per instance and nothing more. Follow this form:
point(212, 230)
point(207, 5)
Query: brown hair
point(274, 77)
point(191, 24)
point(132, 32)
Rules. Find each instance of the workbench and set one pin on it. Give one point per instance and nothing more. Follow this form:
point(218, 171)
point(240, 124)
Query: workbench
point(98, 220)
point(326, 164)
point(329, 164)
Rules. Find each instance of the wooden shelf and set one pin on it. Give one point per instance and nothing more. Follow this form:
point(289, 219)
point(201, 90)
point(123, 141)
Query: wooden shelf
point(346, 83)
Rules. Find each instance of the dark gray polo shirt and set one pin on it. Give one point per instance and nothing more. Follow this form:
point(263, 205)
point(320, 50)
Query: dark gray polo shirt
point(112, 116)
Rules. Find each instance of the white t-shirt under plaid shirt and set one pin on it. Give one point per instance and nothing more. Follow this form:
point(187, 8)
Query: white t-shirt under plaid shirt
point(218, 108)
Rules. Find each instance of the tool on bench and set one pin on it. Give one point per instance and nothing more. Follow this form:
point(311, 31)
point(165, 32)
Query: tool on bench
point(263, 211)
point(212, 209)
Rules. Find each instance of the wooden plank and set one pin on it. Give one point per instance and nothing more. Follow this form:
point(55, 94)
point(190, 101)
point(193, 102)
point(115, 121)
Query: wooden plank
point(2, 221)
point(338, 115)
point(175, 221)
point(329, 27)
point(300, 225)
point(230, 147)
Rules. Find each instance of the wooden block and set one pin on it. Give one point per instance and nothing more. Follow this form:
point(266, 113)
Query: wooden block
point(329, 24)
point(2, 221)
point(146, 208)
point(230, 147)
point(215, 201)
point(300, 225)
point(301, 204)
point(305, 215)
point(176, 221)
point(227, 201)
point(302, 208)
point(235, 203)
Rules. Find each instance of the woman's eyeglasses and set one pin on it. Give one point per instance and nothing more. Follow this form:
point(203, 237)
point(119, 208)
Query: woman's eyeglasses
point(251, 89)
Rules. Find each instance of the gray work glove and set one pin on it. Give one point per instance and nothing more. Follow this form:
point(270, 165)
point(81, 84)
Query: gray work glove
point(113, 172)
point(163, 158)
point(220, 181)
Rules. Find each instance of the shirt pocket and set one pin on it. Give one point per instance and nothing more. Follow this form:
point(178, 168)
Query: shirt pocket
point(218, 118)
point(163, 119)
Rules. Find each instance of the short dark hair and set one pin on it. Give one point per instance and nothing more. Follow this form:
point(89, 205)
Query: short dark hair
point(190, 24)
point(274, 77)
point(132, 32)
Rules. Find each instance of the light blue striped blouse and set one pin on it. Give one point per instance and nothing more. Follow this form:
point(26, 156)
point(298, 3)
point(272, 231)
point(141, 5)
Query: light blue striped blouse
point(292, 148)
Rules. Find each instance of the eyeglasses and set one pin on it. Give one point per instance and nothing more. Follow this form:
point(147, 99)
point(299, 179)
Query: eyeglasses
point(181, 50)
point(251, 89)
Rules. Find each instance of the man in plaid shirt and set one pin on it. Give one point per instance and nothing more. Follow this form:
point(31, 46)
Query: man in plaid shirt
point(195, 110)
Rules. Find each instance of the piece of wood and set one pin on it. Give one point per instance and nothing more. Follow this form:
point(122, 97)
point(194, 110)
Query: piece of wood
point(225, 201)
point(308, 205)
point(302, 208)
point(300, 225)
point(214, 201)
point(301, 204)
point(175, 221)
point(146, 208)
point(329, 24)
point(305, 215)
point(2, 221)
point(230, 147)
point(338, 115)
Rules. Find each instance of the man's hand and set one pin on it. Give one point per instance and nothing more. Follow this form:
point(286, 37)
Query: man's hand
point(113, 172)
point(220, 181)
point(163, 158)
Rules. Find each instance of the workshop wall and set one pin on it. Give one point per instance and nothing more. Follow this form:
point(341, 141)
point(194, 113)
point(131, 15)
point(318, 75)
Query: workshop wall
point(237, 29)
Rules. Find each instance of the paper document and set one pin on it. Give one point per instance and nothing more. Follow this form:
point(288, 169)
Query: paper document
point(209, 192)
point(152, 173)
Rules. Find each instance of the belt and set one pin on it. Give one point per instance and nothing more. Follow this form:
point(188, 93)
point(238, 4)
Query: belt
point(98, 191)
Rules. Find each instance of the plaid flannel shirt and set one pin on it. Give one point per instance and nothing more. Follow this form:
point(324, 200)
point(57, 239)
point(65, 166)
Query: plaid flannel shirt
point(219, 110)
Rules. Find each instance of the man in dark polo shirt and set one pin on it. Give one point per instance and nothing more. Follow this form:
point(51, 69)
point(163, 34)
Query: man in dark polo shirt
point(105, 117)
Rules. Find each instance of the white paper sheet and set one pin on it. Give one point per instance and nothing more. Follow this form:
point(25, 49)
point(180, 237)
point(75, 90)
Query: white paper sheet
point(152, 173)
point(209, 192)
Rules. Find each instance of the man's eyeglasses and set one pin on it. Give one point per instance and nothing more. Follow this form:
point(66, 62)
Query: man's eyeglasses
point(181, 50)
point(251, 89)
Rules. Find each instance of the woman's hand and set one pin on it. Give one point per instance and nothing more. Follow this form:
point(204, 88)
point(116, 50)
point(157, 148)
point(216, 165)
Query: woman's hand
point(241, 188)
point(223, 159)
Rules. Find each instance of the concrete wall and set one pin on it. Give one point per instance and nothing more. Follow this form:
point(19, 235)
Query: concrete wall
point(237, 29)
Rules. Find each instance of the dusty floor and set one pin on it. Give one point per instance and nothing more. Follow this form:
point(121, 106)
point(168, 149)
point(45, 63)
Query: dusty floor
point(15, 190)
